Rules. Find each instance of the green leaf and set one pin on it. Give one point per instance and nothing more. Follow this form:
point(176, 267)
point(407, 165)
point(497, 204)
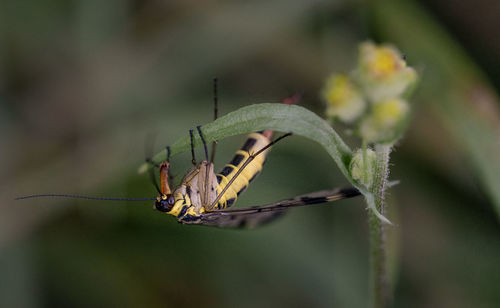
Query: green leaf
point(278, 117)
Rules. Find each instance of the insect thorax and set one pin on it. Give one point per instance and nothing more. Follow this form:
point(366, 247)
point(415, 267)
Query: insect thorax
point(201, 186)
point(197, 191)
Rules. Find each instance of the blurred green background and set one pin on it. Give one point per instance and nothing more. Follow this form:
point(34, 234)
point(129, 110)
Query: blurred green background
point(83, 83)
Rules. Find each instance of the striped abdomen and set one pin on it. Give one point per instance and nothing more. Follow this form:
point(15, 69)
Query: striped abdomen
point(254, 143)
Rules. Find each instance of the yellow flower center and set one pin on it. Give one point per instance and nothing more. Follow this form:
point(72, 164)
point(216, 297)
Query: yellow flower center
point(385, 62)
point(390, 111)
point(338, 91)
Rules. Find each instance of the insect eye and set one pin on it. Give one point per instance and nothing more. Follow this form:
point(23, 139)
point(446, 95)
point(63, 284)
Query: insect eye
point(171, 200)
point(165, 205)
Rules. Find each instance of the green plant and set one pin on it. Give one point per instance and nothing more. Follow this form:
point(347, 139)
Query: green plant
point(372, 100)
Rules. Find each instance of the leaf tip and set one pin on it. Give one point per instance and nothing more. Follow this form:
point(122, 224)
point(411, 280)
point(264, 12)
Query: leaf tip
point(142, 169)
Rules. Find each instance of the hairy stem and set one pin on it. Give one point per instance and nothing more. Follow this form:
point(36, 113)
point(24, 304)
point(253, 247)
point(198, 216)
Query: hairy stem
point(379, 285)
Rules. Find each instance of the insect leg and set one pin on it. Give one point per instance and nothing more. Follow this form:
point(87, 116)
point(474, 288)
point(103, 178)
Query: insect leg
point(167, 149)
point(203, 140)
point(148, 149)
point(152, 174)
point(164, 178)
point(206, 182)
point(170, 176)
point(216, 110)
point(247, 161)
point(193, 159)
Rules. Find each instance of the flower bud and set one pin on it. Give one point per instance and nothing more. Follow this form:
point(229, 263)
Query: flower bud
point(343, 99)
point(384, 124)
point(382, 71)
point(363, 171)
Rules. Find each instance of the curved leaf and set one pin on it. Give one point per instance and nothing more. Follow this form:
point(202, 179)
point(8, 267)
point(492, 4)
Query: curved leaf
point(279, 117)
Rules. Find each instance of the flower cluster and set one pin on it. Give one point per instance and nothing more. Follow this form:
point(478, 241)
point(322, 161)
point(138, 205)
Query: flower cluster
point(371, 97)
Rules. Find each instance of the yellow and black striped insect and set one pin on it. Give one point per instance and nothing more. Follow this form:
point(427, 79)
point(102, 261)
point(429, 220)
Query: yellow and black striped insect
point(204, 197)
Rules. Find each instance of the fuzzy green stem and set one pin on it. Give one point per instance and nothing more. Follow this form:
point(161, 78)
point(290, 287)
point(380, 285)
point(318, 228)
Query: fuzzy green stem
point(379, 285)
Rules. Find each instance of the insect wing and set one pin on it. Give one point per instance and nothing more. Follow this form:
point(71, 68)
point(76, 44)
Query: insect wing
point(233, 219)
point(206, 183)
point(258, 215)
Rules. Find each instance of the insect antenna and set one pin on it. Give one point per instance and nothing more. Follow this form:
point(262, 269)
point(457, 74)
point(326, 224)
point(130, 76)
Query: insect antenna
point(83, 197)
point(216, 111)
point(148, 147)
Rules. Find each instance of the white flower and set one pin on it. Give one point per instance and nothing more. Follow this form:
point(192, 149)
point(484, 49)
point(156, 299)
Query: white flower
point(383, 72)
point(343, 99)
point(383, 125)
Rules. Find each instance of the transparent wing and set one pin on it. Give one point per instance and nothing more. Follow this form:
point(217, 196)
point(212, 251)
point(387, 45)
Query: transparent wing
point(258, 215)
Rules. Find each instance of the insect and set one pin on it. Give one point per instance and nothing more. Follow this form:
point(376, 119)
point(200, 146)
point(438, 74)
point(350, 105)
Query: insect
point(204, 197)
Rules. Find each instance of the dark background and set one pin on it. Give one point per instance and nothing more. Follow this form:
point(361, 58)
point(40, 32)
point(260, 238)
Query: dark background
point(83, 83)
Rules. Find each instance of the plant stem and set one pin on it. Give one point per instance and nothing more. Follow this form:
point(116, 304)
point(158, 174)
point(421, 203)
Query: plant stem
point(379, 285)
